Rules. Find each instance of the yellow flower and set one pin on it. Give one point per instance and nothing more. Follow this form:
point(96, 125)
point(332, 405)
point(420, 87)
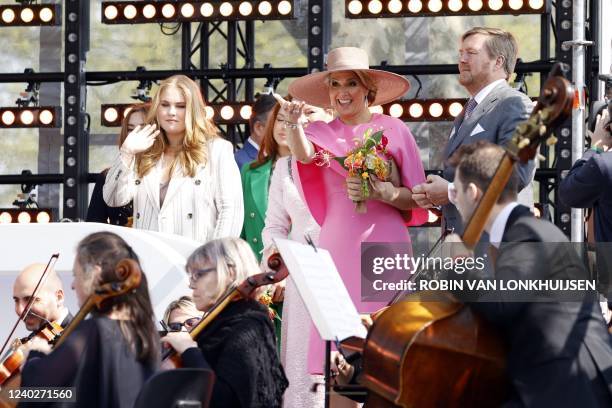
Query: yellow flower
point(364, 175)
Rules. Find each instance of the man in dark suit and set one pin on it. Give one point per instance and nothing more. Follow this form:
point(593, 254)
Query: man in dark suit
point(559, 352)
point(257, 124)
point(48, 305)
point(487, 57)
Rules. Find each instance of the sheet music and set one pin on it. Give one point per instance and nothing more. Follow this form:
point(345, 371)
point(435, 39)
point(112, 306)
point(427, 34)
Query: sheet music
point(322, 290)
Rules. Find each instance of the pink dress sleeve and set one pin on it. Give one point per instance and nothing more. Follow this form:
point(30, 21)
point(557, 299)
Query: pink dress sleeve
point(407, 156)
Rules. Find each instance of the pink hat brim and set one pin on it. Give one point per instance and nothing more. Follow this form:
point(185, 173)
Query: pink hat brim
point(312, 88)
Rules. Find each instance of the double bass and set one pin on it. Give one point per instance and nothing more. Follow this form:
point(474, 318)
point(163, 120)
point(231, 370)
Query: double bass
point(422, 353)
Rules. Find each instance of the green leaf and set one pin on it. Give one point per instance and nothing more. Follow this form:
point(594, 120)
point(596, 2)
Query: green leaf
point(341, 161)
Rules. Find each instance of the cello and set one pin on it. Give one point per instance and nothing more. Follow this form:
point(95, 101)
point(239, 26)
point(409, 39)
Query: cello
point(125, 277)
point(425, 353)
point(244, 290)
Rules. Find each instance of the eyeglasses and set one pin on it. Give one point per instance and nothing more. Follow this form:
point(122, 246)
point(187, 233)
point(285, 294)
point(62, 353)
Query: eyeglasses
point(188, 324)
point(196, 274)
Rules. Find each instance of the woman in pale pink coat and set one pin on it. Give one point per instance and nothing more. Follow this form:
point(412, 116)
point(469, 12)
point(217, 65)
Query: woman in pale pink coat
point(350, 87)
point(287, 216)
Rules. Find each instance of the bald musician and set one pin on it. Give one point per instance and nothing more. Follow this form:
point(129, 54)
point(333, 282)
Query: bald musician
point(48, 305)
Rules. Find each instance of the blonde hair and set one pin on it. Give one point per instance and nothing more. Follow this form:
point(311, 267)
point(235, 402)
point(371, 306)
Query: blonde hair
point(234, 260)
point(499, 43)
point(365, 80)
point(184, 303)
point(199, 130)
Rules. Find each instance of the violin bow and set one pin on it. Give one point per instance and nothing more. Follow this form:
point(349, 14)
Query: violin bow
point(26, 310)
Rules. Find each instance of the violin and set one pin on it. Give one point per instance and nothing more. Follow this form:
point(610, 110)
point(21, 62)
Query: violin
point(245, 290)
point(423, 353)
point(124, 278)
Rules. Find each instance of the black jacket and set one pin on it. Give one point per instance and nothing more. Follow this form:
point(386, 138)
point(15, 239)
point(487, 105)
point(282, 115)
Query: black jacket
point(240, 347)
point(559, 353)
point(99, 211)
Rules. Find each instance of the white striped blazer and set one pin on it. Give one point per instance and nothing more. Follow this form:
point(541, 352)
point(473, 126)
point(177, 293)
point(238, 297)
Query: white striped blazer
point(202, 208)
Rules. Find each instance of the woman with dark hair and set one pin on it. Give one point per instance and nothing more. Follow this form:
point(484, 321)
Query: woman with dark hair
point(108, 357)
point(239, 344)
point(98, 210)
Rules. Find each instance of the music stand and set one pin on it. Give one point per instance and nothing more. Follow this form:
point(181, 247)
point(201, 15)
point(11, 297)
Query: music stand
point(179, 388)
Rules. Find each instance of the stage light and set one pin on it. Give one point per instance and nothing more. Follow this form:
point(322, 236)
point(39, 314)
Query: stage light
point(428, 8)
point(454, 5)
point(396, 110)
point(434, 6)
point(8, 15)
point(30, 15)
point(416, 110)
point(168, 11)
point(221, 113)
point(187, 10)
point(264, 8)
point(495, 5)
point(148, 11)
point(46, 117)
point(475, 5)
point(6, 217)
point(354, 7)
point(375, 6)
point(43, 217)
point(25, 215)
point(436, 110)
point(455, 109)
point(515, 4)
point(226, 9)
point(8, 118)
point(210, 112)
point(394, 6)
point(376, 109)
point(227, 112)
point(284, 7)
point(24, 218)
point(415, 6)
point(27, 15)
point(111, 115)
point(111, 12)
point(31, 117)
point(245, 8)
point(26, 117)
point(46, 14)
point(245, 112)
point(536, 4)
point(207, 10)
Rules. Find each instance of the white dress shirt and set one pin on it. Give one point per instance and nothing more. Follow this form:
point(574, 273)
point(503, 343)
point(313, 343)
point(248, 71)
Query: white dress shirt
point(499, 225)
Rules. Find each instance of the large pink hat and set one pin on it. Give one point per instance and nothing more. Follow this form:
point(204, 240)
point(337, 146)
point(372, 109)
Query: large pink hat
point(313, 89)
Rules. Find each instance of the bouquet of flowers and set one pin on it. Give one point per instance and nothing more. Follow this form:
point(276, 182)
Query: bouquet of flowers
point(369, 158)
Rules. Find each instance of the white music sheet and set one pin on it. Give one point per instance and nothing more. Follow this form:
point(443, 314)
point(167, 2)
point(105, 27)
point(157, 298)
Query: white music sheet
point(322, 290)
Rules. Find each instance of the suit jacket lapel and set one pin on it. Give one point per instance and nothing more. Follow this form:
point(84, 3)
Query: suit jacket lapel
point(465, 127)
point(176, 181)
point(454, 141)
point(151, 184)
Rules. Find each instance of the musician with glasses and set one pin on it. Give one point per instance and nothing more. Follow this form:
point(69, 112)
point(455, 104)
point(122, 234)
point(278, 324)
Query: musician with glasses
point(239, 344)
point(181, 315)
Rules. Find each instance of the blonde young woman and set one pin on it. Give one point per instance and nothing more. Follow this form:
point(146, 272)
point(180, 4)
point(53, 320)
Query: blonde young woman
point(180, 173)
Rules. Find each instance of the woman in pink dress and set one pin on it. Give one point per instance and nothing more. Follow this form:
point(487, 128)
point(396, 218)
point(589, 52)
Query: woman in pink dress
point(350, 88)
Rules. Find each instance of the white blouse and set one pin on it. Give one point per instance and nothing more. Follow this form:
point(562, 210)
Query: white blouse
point(204, 207)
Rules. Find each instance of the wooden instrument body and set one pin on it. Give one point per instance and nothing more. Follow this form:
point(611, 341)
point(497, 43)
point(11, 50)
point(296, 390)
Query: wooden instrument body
point(445, 356)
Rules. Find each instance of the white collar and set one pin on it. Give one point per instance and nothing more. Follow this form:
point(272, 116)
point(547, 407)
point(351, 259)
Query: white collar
point(253, 143)
point(499, 225)
point(62, 315)
point(482, 94)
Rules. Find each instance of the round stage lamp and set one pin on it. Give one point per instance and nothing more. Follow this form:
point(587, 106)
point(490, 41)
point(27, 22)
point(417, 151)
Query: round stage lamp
point(27, 15)
point(416, 110)
point(43, 217)
point(415, 6)
point(210, 112)
point(130, 12)
point(6, 218)
point(187, 10)
point(436, 110)
point(455, 109)
point(207, 10)
point(227, 112)
point(355, 7)
point(111, 115)
point(26, 117)
point(111, 12)
point(45, 14)
point(396, 110)
point(24, 218)
point(149, 11)
point(168, 10)
point(245, 8)
point(264, 8)
point(284, 8)
point(45, 117)
point(375, 6)
point(245, 112)
point(8, 118)
point(226, 9)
